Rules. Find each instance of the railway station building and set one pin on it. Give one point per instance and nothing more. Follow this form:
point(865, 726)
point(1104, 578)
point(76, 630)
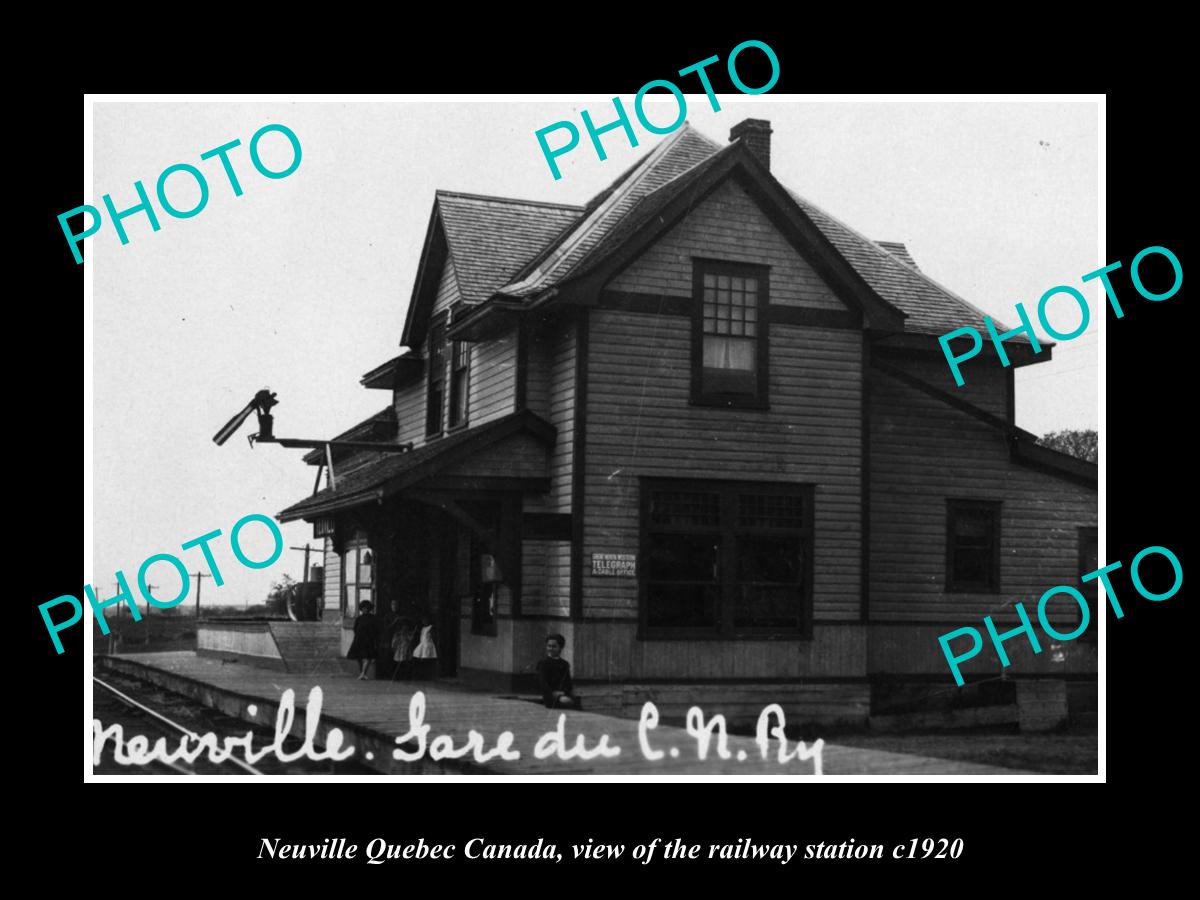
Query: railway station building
point(703, 429)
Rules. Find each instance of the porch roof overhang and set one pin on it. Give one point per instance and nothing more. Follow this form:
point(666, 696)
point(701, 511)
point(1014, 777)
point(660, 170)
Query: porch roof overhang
point(394, 373)
point(464, 454)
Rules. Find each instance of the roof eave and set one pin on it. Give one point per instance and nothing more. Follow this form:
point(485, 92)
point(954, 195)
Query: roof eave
point(1053, 462)
point(434, 253)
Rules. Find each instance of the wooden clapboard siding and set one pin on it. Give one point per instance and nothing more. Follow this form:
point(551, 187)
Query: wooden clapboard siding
point(924, 451)
point(985, 380)
point(333, 581)
point(492, 391)
point(545, 578)
point(410, 413)
point(410, 400)
point(640, 423)
point(610, 650)
point(533, 576)
point(538, 359)
point(558, 578)
point(560, 342)
point(729, 226)
point(448, 293)
point(551, 394)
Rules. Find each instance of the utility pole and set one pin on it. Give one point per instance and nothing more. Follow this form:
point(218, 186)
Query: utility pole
point(117, 630)
point(149, 592)
point(306, 548)
point(114, 633)
point(199, 575)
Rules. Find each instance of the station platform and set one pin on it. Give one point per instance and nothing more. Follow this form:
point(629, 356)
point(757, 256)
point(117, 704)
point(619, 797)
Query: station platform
point(372, 714)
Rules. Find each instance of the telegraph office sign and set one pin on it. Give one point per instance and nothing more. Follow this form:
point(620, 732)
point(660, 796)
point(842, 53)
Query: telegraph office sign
point(622, 565)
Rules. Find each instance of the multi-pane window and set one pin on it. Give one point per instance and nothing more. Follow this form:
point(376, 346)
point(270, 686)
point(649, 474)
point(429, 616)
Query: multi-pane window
point(358, 573)
point(731, 334)
point(460, 366)
point(972, 545)
point(726, 559)
point(437, 377)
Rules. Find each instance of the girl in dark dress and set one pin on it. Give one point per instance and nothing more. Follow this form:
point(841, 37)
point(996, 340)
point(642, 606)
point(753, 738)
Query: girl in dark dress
point(366, 639)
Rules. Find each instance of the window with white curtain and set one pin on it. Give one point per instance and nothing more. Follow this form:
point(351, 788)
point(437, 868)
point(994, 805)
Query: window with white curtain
point(730, 334)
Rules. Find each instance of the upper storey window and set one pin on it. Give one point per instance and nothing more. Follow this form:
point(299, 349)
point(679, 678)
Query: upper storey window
point(435, 403)
point(730, 340)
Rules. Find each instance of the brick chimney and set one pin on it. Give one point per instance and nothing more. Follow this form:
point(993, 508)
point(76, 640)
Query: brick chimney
point(756, 135)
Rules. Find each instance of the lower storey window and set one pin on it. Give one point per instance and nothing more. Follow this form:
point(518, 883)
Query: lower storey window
point(358, 579)
point(973, 545)
point(726, 559)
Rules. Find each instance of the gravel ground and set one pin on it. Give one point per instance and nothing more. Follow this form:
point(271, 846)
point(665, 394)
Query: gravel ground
point(1058, 754)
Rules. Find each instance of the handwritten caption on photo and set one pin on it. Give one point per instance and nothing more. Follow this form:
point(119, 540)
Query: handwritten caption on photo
point(379, 851)
point(415, 743)
point(145, 206)
point(126, 596)
point(1085, 615)
point(1026, 328)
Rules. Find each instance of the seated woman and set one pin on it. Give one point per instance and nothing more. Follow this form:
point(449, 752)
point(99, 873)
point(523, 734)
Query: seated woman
point(554, 676)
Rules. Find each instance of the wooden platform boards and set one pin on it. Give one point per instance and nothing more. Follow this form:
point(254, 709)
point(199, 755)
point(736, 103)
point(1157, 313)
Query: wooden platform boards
point(372, 714)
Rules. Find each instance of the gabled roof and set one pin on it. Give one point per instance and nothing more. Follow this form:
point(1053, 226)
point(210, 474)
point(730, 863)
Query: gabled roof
point(395, 472)
point(683, 150)
point(486, 241)
point(1023, 446)
point(931, 308)
point(521, 250)
point(491, 238)
point(901, 253)
point(678, 162)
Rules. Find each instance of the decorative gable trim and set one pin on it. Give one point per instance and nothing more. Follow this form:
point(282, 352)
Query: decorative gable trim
point(434, 255)
point(793, 223)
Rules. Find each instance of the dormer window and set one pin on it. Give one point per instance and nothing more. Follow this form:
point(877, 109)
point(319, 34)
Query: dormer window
point(730, 341)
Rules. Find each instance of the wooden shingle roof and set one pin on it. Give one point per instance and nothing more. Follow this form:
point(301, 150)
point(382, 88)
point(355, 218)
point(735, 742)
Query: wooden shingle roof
point(649, 185)
point(931, 308)
point(394, 472)
point(683, 150)
point(491, 238)
point(521, 249)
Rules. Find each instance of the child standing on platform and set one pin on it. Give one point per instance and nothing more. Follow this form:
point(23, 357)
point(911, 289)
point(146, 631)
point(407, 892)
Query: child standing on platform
point(366, 638)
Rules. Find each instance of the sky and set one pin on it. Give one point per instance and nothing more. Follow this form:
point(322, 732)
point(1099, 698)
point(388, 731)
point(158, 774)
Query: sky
point(302, 283)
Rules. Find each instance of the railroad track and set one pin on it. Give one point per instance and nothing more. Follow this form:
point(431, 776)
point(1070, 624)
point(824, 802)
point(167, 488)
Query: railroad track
point(172, 730)
point(145, 710)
